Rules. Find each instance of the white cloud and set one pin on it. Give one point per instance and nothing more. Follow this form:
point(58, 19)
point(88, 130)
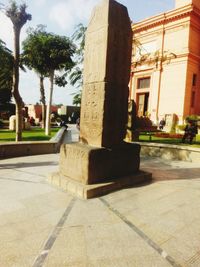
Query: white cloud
point(71, 12)
point(39, 3)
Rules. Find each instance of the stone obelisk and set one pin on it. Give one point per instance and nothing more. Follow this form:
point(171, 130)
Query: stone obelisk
point(106, 76)
point(102, 156)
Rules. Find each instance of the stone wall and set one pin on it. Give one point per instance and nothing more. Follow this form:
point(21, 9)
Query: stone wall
point(170, 152)
point(20, 149)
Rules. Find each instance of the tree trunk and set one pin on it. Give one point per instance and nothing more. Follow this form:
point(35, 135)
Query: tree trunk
point(15, 88)
point(48, 121)
point(43, 101)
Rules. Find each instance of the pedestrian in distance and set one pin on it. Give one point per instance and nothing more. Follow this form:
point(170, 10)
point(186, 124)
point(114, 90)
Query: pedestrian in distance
point(162, 124)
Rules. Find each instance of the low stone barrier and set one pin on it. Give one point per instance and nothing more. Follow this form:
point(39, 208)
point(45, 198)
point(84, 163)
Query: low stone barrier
point(28, 148)
point(59, 135)
point(19, 149)
point(171, 152)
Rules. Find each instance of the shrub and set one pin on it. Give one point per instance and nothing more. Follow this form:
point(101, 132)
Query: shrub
point(181, 127)
point(1, 124)
point(142, 122)
point(193, 117)
point(7, 110)
point(162, 134)
point(169, 135)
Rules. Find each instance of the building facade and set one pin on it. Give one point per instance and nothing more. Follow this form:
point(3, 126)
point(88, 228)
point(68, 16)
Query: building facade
point(165, 75)
point(35, 111)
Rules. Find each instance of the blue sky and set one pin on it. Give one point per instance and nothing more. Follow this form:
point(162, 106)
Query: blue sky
point(61, 17)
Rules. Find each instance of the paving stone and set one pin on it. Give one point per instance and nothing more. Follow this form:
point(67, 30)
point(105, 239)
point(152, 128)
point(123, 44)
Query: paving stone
point(95, 234)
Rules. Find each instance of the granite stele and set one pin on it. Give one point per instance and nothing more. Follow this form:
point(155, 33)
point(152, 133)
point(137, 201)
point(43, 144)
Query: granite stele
point(102, 162)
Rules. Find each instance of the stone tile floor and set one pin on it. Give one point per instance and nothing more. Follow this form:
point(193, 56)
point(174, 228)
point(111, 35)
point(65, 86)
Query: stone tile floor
point(153, 225)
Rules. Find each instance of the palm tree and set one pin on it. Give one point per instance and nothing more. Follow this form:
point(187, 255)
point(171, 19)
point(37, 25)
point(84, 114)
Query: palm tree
point(6, 73)
point(47, 53)
point(19, 17)
point(59, 51)
point(32, 57)
point(76, 75)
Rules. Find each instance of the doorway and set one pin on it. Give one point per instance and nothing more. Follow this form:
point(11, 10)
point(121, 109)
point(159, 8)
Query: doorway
point(142, 104)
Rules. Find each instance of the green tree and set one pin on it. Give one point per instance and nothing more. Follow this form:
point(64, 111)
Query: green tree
point(6, 72)
point(48, 53)
point(18, 17)
point(60, 51)
point(76, 75)
point(32, 57)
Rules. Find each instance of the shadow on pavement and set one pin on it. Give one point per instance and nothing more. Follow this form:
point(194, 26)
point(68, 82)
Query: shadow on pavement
point(28, 164)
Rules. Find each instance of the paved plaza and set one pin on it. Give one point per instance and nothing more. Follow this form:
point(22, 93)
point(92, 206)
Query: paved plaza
point(153, 225)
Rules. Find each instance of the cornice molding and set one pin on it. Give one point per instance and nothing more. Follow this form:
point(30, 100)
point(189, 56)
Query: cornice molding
point(165, 18)
point(135, 71)
point(194, 57)
point(171, 60)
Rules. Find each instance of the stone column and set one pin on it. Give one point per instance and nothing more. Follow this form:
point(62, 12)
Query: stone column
point(106, 76)
point(102, 156)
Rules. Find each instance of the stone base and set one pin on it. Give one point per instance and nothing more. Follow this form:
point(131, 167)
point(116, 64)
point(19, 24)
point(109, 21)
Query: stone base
point(95, 190)
point(90, 165)
point(89, 172)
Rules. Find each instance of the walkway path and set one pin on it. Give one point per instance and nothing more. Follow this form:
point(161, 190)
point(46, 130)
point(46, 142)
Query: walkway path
point(71, 135)
point(154, 225)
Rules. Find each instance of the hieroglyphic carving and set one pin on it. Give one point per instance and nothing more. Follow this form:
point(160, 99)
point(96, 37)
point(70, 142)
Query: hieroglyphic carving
point(74, 156)
point(92, 113)
point(92, 103)
point(95, 57)
point(106, 75)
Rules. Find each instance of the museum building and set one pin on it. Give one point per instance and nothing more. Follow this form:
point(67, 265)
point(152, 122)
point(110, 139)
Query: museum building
point(165, 73)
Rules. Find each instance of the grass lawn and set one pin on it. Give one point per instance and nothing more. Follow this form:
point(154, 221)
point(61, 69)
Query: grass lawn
point(173, 141)
point(35, 134)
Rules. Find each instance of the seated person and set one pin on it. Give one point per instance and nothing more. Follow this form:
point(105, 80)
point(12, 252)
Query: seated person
point(190, 132)
point(162, 124)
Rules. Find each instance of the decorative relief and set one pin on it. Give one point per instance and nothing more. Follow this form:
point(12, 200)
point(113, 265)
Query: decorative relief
point(92, 102)
point(75, 153)
point(95, 54)
point(106, 61)
point(73, 159)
